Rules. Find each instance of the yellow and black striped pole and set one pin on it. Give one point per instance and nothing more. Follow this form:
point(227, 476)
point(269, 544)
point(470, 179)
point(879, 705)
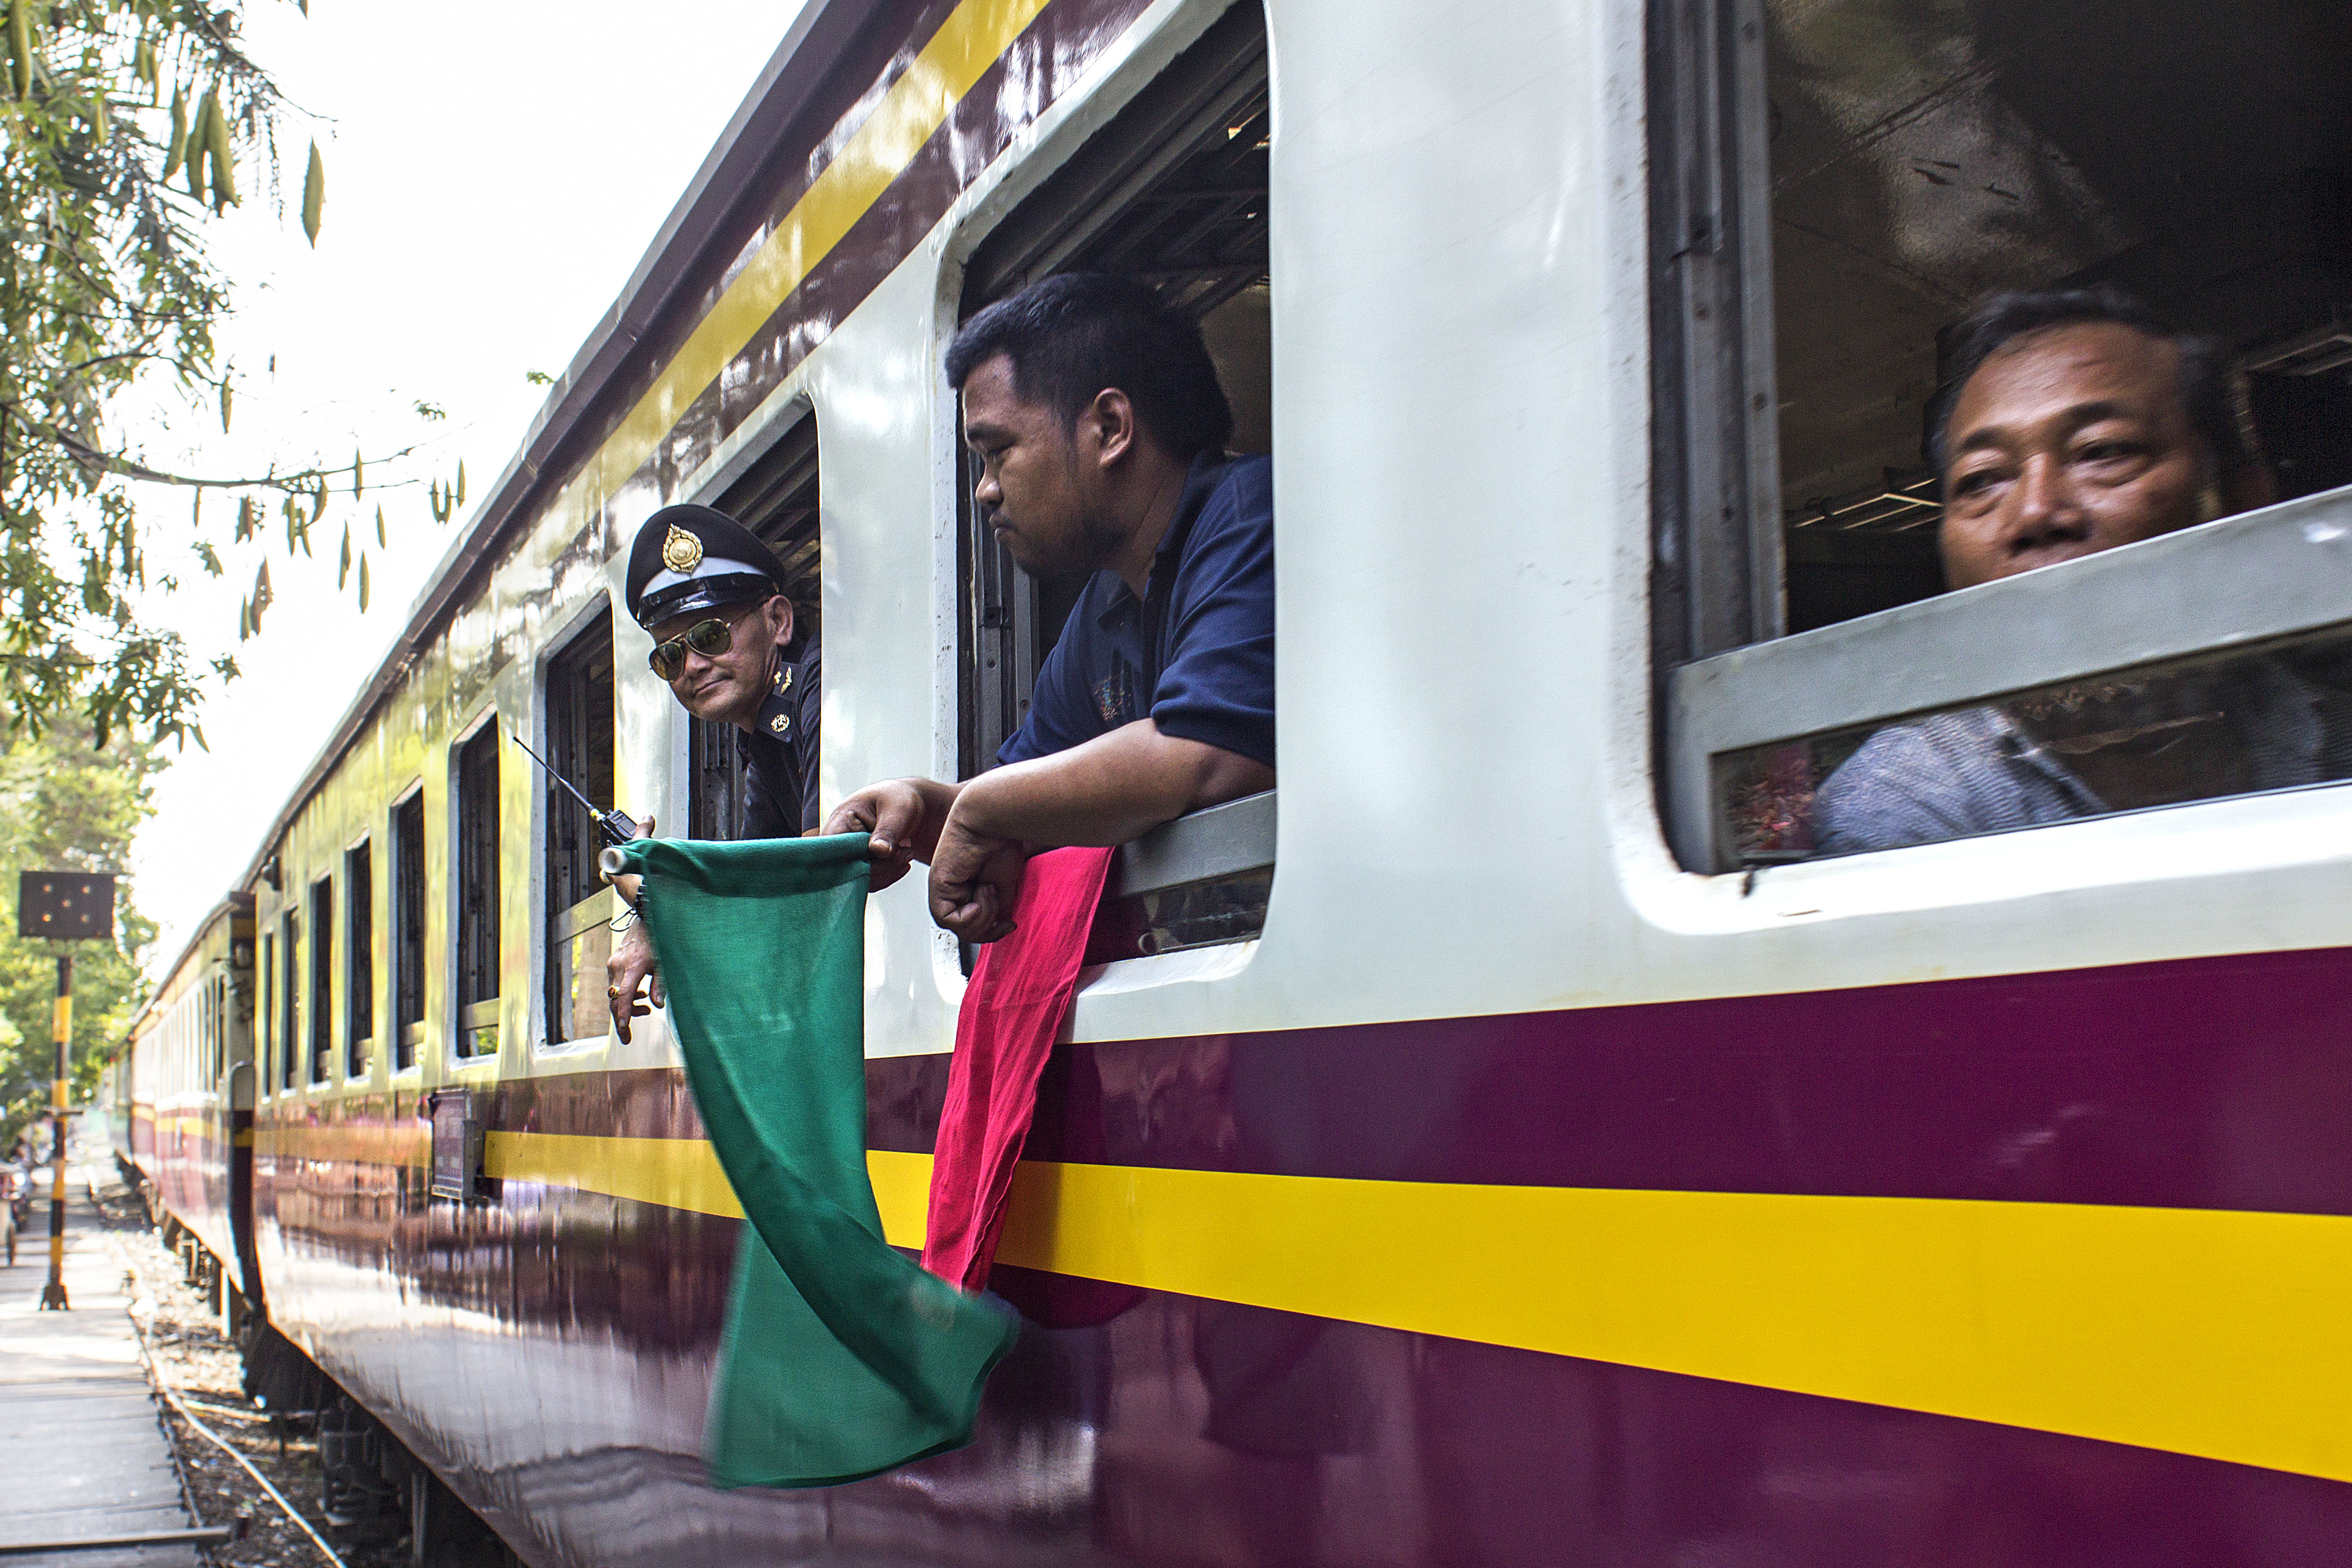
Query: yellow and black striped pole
point(53, 1294)
point(63, 906)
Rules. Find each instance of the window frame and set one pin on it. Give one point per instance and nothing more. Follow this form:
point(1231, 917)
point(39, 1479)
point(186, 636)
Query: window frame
point(2285, 571)
point(359, 959)
point(565, 729)
point(319, 1050)
point(1004, 621)
point(289, 980)
point(1007, 621)
point(475, 1016)
point(264, 1023)
point(408, 899)
point(1725, 678)
point(1715, 420)
point(774, 495)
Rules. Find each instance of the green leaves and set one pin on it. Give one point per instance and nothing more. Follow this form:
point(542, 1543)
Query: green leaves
point(314, 195)
point(109, 189)
point(175, 152)
point(224, 158)
point(20, 47)
point(200, 141)
point(248, 614)
point(66, 801)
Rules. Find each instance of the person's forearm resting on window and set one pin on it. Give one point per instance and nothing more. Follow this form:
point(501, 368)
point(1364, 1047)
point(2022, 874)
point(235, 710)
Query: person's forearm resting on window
point(977, 836)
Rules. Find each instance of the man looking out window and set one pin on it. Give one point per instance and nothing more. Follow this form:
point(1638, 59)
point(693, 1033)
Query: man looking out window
point(1099, 425)
point(727, 641)
point(2073, 423)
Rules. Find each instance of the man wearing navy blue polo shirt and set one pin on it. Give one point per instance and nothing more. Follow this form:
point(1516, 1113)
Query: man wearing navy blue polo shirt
point(1100, 428)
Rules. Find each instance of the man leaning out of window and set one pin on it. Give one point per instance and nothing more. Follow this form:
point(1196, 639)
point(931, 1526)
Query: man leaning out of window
point(1099, 425)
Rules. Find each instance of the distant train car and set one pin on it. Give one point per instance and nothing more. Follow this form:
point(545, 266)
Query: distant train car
point(129, 1120)
point(184, 1084)
point(113, 1108)
point(1530, 1145)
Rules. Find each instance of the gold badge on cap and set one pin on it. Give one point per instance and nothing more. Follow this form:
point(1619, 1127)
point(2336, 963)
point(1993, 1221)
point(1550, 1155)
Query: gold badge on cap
point(681, 551)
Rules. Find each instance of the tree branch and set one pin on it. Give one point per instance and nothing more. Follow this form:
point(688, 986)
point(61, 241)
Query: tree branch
point(90, 456)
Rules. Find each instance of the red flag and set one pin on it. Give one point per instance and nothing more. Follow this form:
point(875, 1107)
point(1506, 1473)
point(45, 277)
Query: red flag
point(1013, 1011)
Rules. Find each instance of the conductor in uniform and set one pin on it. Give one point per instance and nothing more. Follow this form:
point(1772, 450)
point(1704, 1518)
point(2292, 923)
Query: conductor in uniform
point(725, 640)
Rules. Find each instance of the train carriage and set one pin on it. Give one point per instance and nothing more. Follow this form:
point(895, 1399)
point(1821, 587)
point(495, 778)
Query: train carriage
point(184, 1084)
point(1523, 1145)
point(130, 1117)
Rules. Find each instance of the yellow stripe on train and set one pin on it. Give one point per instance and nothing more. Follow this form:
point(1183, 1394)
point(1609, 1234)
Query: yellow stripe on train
point(2214, 1333)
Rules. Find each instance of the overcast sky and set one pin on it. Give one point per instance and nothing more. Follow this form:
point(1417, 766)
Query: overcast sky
point(494, 175)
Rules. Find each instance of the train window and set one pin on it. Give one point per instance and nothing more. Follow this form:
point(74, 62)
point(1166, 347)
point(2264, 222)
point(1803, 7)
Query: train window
point(358, 947)
point(408, 930)
point(266, 1041)
point(322, 979)
point(216, 1005)
point(1175, 190)
point(289, 989)
point(1841, 188)
point(580, 906)
point(777, 499)
point(478, 892)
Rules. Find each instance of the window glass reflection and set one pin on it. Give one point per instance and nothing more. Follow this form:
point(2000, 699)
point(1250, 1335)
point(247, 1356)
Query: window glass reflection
point(2280, 719)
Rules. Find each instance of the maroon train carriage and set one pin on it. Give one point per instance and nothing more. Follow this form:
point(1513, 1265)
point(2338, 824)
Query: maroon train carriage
point(1494, 1158)
point(184, 1081)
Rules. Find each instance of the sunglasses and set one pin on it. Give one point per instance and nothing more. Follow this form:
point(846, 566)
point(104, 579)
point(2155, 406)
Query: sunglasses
point(708, 638)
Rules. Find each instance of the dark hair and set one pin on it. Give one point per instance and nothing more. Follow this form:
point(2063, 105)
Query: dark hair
point(1072, 336)
point(2212, 390)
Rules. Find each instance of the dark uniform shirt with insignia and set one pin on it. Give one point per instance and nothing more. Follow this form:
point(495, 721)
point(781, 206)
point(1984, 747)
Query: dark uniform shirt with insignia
point(780, 752)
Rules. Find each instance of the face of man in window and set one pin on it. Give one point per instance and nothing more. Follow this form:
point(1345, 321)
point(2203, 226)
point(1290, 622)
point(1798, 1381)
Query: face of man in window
point(729, 687)
point(2067, 442)
point(1040, 481)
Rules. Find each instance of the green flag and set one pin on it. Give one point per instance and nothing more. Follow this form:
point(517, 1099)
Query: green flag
point(841, 1357)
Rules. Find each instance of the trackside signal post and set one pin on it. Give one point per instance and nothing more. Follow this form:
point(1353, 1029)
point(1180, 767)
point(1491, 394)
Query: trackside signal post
point(63, 906)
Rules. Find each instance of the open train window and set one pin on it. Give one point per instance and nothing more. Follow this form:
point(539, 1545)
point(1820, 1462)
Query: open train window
point(777, 499)
point(580, 906)
point(477, 799)
point(322, 979)
point(1837, 184)
point(1175, 190)
point(290, 989)
point(359, 946)
point(265, 1036)
point(408, 930)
